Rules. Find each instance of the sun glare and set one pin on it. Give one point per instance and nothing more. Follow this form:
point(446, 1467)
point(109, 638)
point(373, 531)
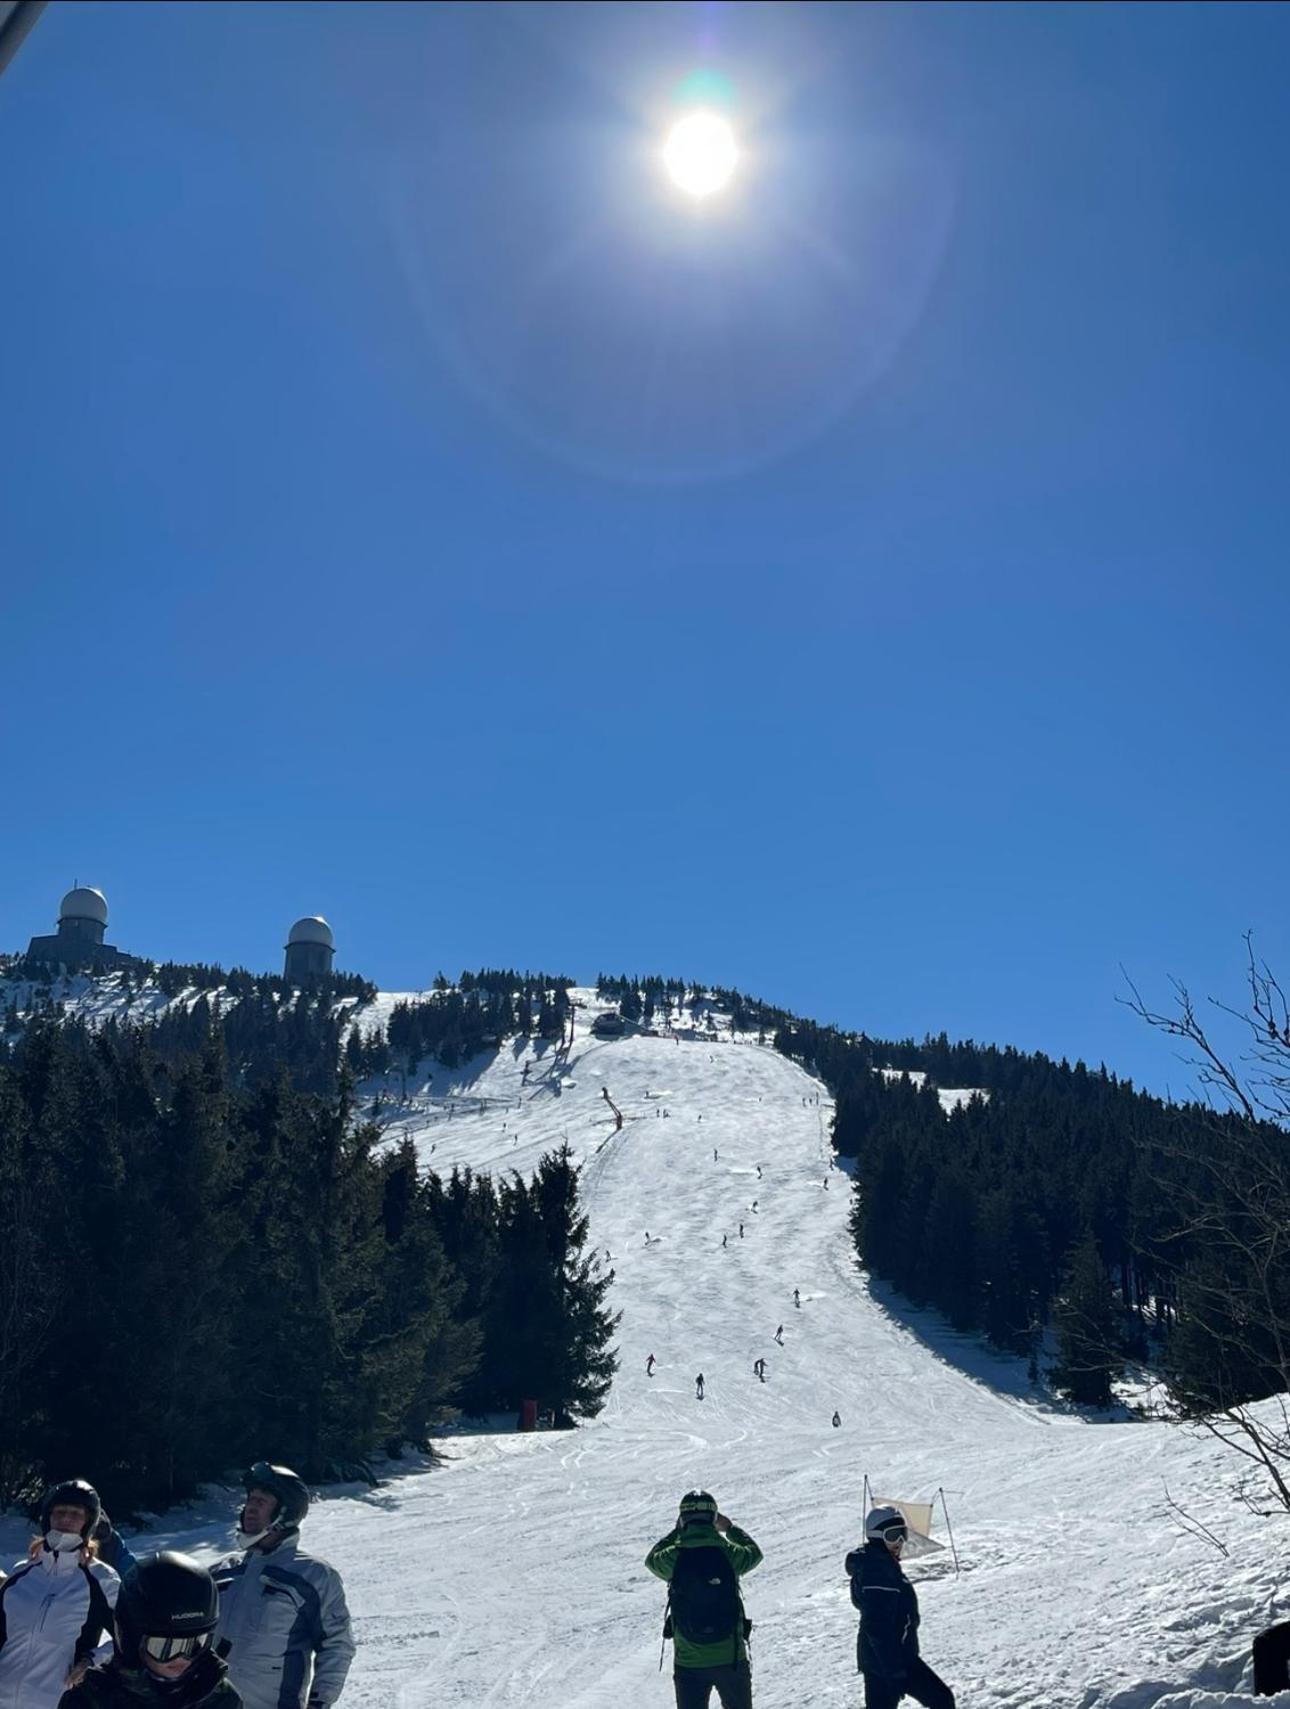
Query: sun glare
point(700, 154)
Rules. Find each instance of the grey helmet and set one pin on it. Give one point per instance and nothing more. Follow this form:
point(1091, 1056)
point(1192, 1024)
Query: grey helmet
point(886, 1525)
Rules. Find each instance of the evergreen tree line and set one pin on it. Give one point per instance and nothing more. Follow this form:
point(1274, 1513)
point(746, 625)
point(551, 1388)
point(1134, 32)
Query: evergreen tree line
point(1062, 1198)
point(173, 977)
point(453, 1025)
point(202, 1266)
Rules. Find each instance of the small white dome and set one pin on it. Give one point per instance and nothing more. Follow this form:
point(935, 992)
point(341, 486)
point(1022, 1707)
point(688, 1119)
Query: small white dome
point(84, 904)
point(313, 929)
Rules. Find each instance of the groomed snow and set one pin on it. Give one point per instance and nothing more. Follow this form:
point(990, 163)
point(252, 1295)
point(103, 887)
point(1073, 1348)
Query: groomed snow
point(512, 1572)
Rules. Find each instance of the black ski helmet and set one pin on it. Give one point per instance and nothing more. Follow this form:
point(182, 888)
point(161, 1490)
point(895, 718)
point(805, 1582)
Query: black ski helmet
point(166, 1595)
point(72, 1492)
point(290, 1489)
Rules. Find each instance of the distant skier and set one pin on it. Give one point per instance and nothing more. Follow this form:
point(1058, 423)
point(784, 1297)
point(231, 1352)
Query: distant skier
point(837, 1420)
point(647, 1237)
point(759, 1171)
point(887, 1643)
point(741, 1231)
point(649, 1366)
point(759, 1369)
point(702, 1560)
point(698, 1386)
point(714, 1154)
point(779, 1335)
point(755, 1203)
point(797, 1298)
point(724, 1238)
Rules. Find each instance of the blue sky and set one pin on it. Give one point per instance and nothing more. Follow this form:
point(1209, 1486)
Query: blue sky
point(867, 589)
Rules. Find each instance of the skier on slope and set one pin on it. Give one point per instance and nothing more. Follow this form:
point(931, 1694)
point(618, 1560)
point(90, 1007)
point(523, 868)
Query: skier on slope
point(649, 1366)
point(887, 1643)
point(698, 1386)
point(283, 1624)
point(779, 1335)
point(56, 1605)
point(797, 1299)
point(837, 1419)
point(164, 1626)
point(702, 1560)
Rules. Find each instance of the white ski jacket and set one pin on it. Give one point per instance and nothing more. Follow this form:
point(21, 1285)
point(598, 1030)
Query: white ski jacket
point(54, 1612)
point(283, 1627)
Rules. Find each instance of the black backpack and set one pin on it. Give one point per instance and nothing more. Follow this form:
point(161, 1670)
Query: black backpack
point(703, 1601)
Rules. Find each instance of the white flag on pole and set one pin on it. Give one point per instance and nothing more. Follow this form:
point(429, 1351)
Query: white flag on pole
point(918, 1519)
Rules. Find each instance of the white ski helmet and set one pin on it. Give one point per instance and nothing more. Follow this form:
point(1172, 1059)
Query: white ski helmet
point(886, 1525)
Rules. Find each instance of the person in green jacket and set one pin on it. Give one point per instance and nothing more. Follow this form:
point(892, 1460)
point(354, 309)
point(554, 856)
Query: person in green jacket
point(702, 1560)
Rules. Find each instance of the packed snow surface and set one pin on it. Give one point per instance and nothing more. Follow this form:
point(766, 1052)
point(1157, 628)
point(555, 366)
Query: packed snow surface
point(512, 1572)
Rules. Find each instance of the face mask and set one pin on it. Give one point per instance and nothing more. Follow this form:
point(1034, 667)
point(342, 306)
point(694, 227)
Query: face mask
point(59, 1542)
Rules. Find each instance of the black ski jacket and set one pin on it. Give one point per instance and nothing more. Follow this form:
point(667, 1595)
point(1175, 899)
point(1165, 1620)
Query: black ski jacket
point(204, 1686)
point(887, 1643)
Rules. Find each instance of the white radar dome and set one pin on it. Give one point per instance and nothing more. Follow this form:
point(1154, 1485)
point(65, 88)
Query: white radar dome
point(84, 904)
point(313, 929)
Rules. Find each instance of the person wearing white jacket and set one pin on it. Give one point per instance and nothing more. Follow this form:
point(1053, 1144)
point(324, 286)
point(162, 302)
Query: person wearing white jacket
point(56, 1606)
point(283, 1625)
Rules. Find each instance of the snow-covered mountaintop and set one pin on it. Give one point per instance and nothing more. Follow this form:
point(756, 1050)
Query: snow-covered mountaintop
point(513, 1572)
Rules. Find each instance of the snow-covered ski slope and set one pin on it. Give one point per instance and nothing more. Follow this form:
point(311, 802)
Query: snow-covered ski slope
point(512, 1573)
point(1078, 1588)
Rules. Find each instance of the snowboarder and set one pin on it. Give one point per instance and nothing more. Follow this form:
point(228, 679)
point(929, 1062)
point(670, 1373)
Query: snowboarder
point(797, 1299)
point(164, 1626)
point(278, 1665)
point(887, 1643)
point(837, 1419)
point(649, 1366)
point(57, 1604)
point(698, 1386)
point(702, 1560)
point(779, 1335)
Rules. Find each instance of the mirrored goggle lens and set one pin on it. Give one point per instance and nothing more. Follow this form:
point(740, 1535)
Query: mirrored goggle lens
point(894, 1534)
point(171, 1649)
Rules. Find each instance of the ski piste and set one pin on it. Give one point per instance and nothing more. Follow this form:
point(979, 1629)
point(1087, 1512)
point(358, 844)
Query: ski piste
point(512, 1571)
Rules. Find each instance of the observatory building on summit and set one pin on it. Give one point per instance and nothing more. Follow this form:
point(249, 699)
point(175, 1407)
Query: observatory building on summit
point(310, 948)
point(82, 921)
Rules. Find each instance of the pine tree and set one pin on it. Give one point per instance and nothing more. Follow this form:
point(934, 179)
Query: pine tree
point(1087, 1330)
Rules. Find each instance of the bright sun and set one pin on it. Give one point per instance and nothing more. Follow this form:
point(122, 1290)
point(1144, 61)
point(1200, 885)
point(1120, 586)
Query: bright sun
point(700, 153)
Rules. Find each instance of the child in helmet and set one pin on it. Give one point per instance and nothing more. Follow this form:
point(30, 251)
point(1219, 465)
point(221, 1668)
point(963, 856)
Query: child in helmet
point(887, 1643)
point(56, 1606)
point(165, 1623)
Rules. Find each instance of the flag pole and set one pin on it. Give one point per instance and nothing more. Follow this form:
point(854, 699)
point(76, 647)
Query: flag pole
point(950, 1529)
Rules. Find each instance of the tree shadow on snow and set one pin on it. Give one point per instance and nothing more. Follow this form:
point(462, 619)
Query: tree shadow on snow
point(1006, 1373)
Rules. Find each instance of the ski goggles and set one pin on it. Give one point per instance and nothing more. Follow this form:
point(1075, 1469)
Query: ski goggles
point(895, 1531)
point(171, 1649)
